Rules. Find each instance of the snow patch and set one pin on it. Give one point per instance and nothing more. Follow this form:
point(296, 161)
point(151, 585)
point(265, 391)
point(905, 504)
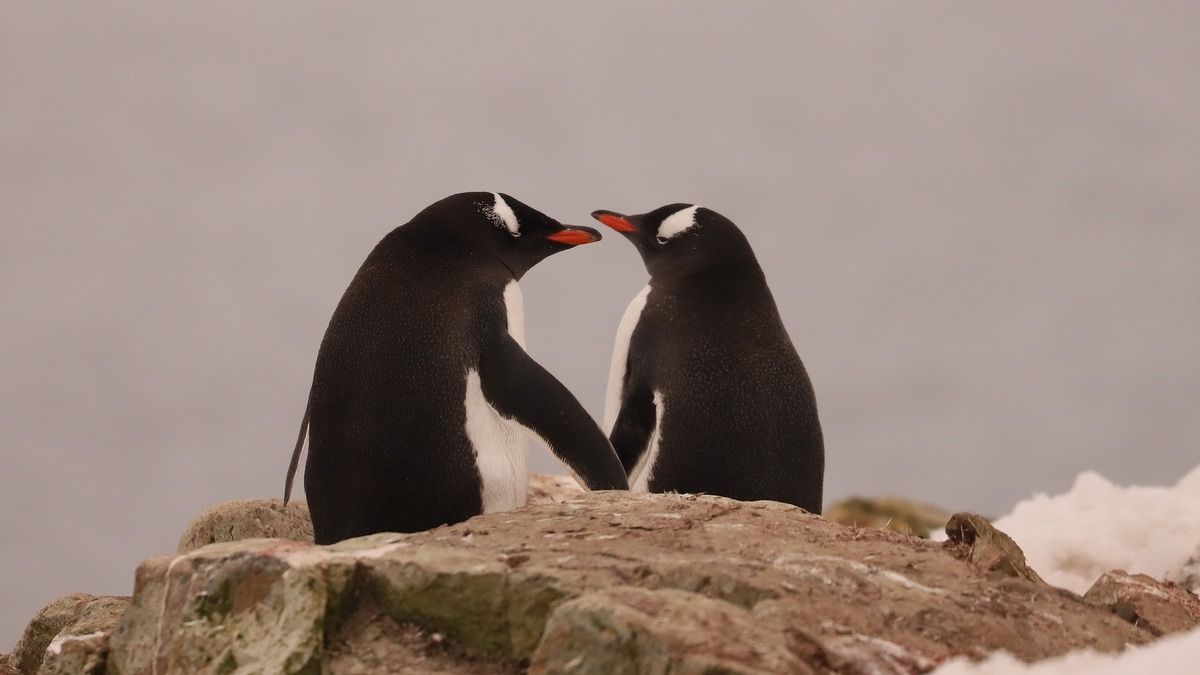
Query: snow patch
point(1073, 538)
point(1174, 654)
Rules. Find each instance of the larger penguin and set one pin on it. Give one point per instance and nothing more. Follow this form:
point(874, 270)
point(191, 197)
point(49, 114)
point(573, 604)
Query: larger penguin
point(422, 388)
point(706, 392)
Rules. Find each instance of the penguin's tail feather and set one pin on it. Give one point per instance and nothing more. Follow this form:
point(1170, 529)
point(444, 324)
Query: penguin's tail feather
point(291, 474)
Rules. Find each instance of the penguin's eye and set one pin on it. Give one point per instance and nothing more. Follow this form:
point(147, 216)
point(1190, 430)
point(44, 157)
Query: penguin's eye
point(661, 240)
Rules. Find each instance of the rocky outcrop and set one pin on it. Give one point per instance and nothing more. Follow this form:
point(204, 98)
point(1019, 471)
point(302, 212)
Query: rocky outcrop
point(248, 519)
point(636, 630)
point(271, 519)
point(588, 583)
point(603, 582)
point(889, 513)
point(1147, 603)
point(973, 539)
point(69, 635)
point(26, 657)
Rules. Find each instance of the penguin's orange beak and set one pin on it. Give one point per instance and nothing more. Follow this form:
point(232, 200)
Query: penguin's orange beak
point(614, 220)
point(573, 235)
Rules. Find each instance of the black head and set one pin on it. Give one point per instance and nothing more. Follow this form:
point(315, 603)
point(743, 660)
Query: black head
point(680, 239)
point(495, 224)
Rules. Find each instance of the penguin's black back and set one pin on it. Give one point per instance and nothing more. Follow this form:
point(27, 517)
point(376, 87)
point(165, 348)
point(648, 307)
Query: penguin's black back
point(387, 445)
point(740, 417)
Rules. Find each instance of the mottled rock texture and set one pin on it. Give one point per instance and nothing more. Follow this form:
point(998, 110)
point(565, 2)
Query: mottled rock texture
point(70, 635)
point(27, 656)
point(630, 583)
point(248, 519)
point(545, 488)
point(973, 539)
point(1158, 607)
point(271, 519)
point(889, 513)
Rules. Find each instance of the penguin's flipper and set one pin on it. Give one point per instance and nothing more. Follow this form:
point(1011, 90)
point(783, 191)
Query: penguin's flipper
point(634, 424)
point(291, 474)
point(518, 388)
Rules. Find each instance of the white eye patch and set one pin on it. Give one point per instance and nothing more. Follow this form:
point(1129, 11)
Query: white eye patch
point(676, 223)
point(502, 215)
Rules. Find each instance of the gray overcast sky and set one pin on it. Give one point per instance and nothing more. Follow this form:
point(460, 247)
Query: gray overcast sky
point(980, 222)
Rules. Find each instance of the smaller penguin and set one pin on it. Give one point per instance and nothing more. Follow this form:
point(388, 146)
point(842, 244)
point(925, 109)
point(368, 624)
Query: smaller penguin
point(706, 392)
point(423, 394)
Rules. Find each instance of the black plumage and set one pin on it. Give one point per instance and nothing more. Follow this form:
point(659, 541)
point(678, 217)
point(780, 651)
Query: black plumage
point(711, 375)
point(388, 444)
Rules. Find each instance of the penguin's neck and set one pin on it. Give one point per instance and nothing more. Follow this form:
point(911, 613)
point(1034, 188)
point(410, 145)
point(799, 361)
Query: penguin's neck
point(735, 273)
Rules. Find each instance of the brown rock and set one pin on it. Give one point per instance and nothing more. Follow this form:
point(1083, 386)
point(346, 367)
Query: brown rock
point(372, 642)
point(889, 513)
point(248, 519)
point(836, 599)
point(972, 538)
point(82, 647)
point(270, 519)
point(635, 630)
point(545, 488)
point(27, 656)
point(69, 635)
point(1147, 603)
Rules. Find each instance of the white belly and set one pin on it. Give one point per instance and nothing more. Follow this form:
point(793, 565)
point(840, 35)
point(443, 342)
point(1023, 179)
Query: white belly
point(501, 445)
point(501, 451)
point(643, 470)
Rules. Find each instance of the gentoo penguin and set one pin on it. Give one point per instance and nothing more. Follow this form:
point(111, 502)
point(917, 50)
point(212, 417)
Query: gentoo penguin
point(422, 391)
point(706, 392)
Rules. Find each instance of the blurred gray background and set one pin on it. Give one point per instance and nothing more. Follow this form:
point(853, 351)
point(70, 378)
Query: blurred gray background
point(980, 223)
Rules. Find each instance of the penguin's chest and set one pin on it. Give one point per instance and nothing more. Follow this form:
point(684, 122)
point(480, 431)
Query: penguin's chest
point(500, 444)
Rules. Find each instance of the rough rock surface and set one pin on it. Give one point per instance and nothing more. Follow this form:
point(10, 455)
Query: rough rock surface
point(653, 583)
point(628, 630)
point(270, 519)
point(248, 519)
point(26, 657)
point(69, 635)
point(82, 647)
point(546, 488)
point(973, 539)
point(370, 641)
point(889, 513)
point(1158, 607)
